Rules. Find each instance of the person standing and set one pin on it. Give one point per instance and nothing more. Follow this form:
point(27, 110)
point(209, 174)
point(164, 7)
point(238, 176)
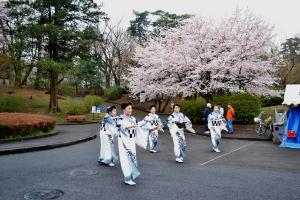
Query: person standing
point(108, 130)
point(229, 117)
point(177, 122)
point(215, 121)
point(126, 141)
point(221, 110)
point(206, 113)
point(154, 123)
point(172, 105)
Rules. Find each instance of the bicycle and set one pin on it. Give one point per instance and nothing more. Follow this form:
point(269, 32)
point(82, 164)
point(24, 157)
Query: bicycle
point(263, 127)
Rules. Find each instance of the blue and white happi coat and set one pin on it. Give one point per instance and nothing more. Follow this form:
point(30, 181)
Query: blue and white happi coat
point(108, 130)
point(127, 139)
point(215, 125)
point(153, 122)
point(177, 133)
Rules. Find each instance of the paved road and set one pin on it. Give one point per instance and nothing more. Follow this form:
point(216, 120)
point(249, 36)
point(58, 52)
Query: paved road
point(244, 170)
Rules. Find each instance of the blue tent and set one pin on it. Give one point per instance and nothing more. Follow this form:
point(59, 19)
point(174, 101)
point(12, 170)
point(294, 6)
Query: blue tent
point(291, 136)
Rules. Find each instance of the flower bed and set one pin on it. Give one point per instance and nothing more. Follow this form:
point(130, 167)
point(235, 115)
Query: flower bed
point(22, 124)
point(76, 118)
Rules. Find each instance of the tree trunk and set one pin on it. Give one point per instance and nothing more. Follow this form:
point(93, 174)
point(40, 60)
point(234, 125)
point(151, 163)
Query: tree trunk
point(117, 80)
point(18, 76)
point(166, 105)
point(207, 97)
point(53, 105)
point(37, 81)
point(107, 80)
point(159, 105)
point(28, 72)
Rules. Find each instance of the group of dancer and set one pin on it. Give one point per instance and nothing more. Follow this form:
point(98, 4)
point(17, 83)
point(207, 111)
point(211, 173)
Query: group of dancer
point(130, 132)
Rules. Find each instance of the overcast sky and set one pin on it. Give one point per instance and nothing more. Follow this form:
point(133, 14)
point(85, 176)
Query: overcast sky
point(283, 14)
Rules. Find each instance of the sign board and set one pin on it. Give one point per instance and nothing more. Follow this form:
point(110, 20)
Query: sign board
point(98, 109)
point(93, 109)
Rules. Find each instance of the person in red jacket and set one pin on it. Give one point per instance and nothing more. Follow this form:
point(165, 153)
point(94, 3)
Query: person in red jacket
point(229, 117)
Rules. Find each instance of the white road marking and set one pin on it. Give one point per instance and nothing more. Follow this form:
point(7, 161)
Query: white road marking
point(225, 154)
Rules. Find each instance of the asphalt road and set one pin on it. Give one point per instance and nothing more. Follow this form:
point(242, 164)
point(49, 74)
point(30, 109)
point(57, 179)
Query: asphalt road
point(244, 170)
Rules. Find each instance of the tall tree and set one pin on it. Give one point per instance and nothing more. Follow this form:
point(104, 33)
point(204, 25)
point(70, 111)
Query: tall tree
point(290, 50)
point(15, 25)
point(139, 27)
point(202, 58)
point(166, 20)
point(113, 50)
point(147, 24)
point(60, 24)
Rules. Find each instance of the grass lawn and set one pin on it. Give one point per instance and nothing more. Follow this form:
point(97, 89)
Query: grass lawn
point(38, 101)
point(270, 111)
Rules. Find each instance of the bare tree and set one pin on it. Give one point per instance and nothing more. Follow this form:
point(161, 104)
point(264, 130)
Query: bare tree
point(114, 51)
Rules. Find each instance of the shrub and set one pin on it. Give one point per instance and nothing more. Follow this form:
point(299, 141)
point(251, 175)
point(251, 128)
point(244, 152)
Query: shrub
point(22, 124)
point(13, 104)
point(193, 109)
point(66, 89)
point(115, 92)
point(76, 118)
point(74, 107)
point(91, 100)
point(270, 101)
point(246, 106)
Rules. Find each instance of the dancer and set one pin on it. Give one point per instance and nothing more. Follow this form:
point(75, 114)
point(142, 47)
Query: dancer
point(107, 132)
point(177, 122)
point(153, 121)
point(128, 128)
point(215, 120)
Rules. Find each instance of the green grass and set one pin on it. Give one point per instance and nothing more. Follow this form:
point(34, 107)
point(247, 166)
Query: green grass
point(37, 102)
point(270, 111)
point(32, 135)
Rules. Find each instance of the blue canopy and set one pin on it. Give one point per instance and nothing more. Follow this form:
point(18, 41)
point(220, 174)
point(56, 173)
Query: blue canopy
point(292, 125)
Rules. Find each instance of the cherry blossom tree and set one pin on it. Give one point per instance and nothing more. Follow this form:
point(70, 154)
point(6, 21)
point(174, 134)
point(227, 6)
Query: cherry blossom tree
point(202, 57)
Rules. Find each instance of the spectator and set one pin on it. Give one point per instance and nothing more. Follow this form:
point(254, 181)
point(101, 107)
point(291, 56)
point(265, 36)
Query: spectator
point(172, 105)
point(221, 110)
point(229, 117)
point(206, 112)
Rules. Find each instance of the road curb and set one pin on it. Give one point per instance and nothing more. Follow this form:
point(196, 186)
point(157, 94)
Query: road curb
point(46, 147)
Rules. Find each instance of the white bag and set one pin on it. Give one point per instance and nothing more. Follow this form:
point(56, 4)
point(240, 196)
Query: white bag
point(223, 126)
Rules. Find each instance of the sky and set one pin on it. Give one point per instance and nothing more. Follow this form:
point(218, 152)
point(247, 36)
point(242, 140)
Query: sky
point(284, 15)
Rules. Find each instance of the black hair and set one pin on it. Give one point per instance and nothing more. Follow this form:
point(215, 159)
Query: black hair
point(176, 105)
point(110, 108)
point(125, 105)
point(152, 106)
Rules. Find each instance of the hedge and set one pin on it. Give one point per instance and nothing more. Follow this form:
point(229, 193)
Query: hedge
point(65, 89)
point(193, 109)
point(270, 101)
point(115, 92)
point(13, 104)
point(246, 106)
point(74, 107)
point(76, 118)
point(91, 100)
point(23, 124)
